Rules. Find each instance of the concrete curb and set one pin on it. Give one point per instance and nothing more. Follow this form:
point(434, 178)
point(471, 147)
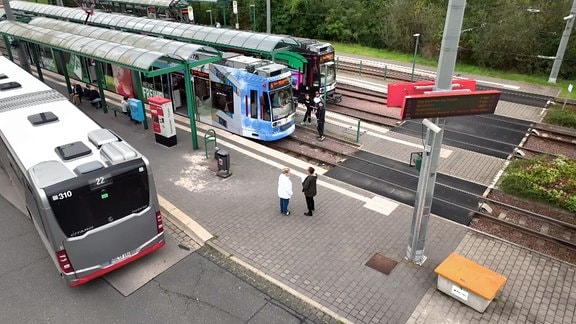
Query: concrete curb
point(184, 222)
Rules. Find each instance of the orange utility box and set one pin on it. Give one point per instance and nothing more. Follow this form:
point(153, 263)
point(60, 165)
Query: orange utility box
point(468, 282)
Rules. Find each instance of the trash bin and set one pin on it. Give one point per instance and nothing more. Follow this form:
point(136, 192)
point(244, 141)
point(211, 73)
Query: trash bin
point(223, 158)
point(418, 162)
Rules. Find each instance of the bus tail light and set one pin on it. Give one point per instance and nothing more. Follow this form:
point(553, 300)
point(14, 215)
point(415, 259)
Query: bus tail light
point(159, 224)
point(64, 262)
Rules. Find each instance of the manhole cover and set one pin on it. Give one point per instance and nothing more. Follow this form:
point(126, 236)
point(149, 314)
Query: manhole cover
point(381, 263)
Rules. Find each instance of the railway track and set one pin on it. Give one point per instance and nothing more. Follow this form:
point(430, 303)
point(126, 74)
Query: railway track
point(554, 235)
point(365, 105)
point(303, 144)
point(401, 73)
point(547, 140)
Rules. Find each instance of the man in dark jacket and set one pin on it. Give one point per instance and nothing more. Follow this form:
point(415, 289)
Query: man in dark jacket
point(320, 118)
point(309, 190)
point(308, 115)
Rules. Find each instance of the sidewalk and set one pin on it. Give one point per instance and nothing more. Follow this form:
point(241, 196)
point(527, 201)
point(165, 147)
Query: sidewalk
point(322, 258)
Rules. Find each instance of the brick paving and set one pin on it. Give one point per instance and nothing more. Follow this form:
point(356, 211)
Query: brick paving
point(322, 258)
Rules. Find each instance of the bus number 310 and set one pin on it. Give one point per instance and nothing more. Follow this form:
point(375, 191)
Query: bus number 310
point(62, 195)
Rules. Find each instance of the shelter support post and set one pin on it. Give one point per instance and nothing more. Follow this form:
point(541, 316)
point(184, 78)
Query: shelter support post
point(101, 85)
point(8, 47)
point(60, 58)
point(140, 94)
point(191, 98)
point(37, 62)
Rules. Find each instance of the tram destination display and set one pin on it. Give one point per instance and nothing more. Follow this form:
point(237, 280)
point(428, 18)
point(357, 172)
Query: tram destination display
point(448, 104)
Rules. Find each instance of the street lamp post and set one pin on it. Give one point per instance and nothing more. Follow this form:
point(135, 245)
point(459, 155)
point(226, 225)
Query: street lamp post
point(210, 12)
point(414, 59)
point(253, 17)
point(563, 43)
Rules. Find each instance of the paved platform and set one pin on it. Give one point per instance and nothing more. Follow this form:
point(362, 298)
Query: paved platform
point(322, 258)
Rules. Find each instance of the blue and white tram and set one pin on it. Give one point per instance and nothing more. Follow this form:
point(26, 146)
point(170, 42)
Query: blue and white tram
point(90, 195)
point(248, 96)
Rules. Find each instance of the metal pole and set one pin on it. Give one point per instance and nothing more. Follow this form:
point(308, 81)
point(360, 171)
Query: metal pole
point(140, 94)
point(563, 44)
point(210, 11)
point(191, 98)
point(325, 83)
point(101, 84)
point(414, 59)
point(8, 49)
point(268, 18)
point(434, 134)
point(22, 57)
point(253, 17)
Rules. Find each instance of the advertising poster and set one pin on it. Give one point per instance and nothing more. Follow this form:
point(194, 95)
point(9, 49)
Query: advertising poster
point(119, 80)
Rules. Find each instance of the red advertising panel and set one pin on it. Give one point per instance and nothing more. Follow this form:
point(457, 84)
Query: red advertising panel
point(397, 91)
point(447, 104)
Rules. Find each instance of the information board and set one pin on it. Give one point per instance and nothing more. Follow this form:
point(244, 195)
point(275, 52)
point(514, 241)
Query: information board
point(448, 104)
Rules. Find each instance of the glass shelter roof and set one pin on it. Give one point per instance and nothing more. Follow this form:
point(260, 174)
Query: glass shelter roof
point(211, 36)
point(128, 56)
point(170, 47)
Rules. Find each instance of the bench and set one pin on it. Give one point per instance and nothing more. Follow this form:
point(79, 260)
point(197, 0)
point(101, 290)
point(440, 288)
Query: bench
point(468, 282)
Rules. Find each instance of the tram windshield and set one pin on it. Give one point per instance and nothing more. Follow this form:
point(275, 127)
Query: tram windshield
point(328, 73)
point(281, 103)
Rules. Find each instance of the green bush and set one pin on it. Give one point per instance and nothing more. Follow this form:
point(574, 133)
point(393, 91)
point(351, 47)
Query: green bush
point(546, 179)
point(563, 117)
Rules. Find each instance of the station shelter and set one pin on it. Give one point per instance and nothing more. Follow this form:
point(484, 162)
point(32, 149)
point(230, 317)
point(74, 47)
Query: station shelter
point(129, 64)
point(279, 48)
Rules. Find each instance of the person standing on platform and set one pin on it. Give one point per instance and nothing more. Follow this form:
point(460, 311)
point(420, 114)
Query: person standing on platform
point(308, 115)
point(309, 189)
point(284, 191)
point(317, 99)
point(320, 118)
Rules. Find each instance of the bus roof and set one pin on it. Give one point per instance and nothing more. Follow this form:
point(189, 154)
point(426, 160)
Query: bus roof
point(36, 144)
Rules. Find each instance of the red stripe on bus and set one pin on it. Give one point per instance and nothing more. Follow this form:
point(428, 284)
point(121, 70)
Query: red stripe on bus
point(99, 273)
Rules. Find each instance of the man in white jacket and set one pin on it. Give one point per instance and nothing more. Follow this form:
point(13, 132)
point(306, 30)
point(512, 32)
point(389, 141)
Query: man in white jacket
point(284, 190)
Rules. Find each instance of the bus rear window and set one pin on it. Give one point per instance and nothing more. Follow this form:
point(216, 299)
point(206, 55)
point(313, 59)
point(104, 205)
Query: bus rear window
point(98, 198)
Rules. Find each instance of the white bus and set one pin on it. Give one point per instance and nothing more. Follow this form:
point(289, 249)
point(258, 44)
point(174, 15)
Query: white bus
point(90, 195)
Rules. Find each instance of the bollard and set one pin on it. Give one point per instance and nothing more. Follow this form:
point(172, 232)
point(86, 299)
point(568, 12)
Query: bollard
point(358, 132)
point(360, 67)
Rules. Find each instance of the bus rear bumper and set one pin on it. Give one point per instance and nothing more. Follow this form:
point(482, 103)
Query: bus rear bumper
point(112, 267)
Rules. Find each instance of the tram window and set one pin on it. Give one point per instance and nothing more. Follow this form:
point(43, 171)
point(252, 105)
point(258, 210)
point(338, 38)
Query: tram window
point(266, 100)
point(202, 88)
point(254, 104)
point(222, 98)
